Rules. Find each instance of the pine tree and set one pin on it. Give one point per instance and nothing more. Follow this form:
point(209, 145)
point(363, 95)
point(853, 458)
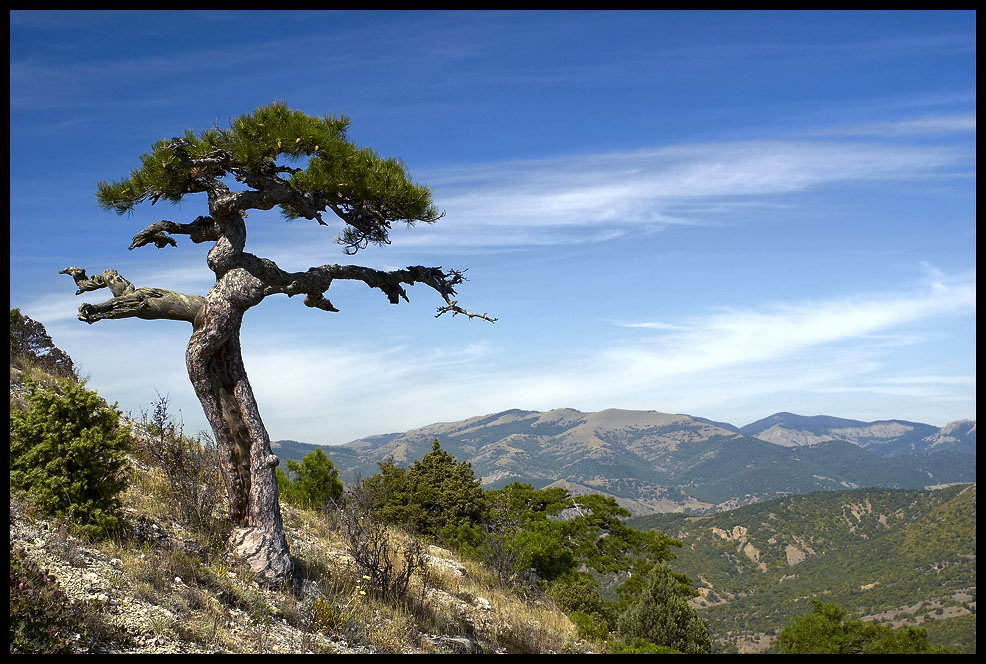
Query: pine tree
point(436, 493)
point(660, 615)
point(315, 482)
point(828, 629)
point(68, 450)
point(306, 167)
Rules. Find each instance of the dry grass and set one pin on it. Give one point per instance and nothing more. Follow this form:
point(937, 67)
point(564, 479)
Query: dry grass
point(218, 606)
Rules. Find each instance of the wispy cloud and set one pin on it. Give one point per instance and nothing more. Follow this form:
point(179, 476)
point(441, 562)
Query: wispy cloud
point(701, 364)
point(708, 364)
point(607, 195)
point(713, 364)
point(744, 336)
point(941, 124)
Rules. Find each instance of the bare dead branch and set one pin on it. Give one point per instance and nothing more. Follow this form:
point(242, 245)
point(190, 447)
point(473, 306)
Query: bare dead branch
point(107, 279)
point(454, 307)
point(202, 229)
point(131, 302)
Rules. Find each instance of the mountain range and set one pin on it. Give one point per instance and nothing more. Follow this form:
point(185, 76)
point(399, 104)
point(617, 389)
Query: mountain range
point(884, 437)
point(660, 462)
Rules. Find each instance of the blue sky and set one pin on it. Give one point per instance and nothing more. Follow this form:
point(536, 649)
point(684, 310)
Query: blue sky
point(722, 214)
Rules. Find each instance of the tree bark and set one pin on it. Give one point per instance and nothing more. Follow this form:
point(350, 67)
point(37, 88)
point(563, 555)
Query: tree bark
point(215, 366)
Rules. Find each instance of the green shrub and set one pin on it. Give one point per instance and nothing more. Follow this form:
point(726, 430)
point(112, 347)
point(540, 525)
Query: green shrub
point(580, 593)
point(68, 451)
point(589, 626)
point(42, 618)
point(315, 483)
point(433, 494)
point(638, 646)
point(660, 614)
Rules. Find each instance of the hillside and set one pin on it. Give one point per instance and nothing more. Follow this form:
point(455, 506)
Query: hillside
point(158, 590)
point(649, 461)
point(904, 557)
point(163, 581)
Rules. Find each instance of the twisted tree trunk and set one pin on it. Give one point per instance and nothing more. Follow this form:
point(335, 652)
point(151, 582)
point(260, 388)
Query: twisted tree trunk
point(215, 367)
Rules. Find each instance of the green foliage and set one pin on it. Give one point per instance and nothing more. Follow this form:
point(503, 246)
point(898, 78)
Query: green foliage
point(829, 630)
point(434, 494)
point(526, 536)
point(315, 481)
point(68, 450)
point(369, 191)
point(593, 533)
point(959, 633)
point(660, 614)
point(43, 620)
point(589, 626)
point(638, 646)
point(30, 344)
point(871, 551)
point(578, 595)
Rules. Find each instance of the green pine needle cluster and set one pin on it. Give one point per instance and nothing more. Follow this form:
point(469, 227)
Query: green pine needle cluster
point(369, 190)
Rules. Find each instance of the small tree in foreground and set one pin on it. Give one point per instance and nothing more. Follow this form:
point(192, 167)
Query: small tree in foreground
point(68, 451)
point(315, 483)
point(660, 615)
point(364, 191)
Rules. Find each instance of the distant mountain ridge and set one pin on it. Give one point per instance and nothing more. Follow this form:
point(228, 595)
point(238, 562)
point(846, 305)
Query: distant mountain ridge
point(652, 461)
point(883, 437)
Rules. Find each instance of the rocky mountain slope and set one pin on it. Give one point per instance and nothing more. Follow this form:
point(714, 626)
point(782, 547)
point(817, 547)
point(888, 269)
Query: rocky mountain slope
point(649, 461)
point(884, 437)
point(904, 557)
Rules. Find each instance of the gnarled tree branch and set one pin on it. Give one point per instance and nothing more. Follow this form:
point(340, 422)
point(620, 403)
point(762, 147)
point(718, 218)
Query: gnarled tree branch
point(317, 280)
point(131, 302)
point(202, 229)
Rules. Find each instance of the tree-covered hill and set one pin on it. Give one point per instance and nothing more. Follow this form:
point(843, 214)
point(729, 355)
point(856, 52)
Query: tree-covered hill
point(897, 556)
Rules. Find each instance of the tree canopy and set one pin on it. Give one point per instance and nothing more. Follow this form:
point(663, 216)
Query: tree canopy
point(315, 481)
point(437, 492)
point(366, 191)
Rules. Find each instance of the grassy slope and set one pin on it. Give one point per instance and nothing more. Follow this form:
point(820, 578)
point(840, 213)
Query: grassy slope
point(169, 589)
